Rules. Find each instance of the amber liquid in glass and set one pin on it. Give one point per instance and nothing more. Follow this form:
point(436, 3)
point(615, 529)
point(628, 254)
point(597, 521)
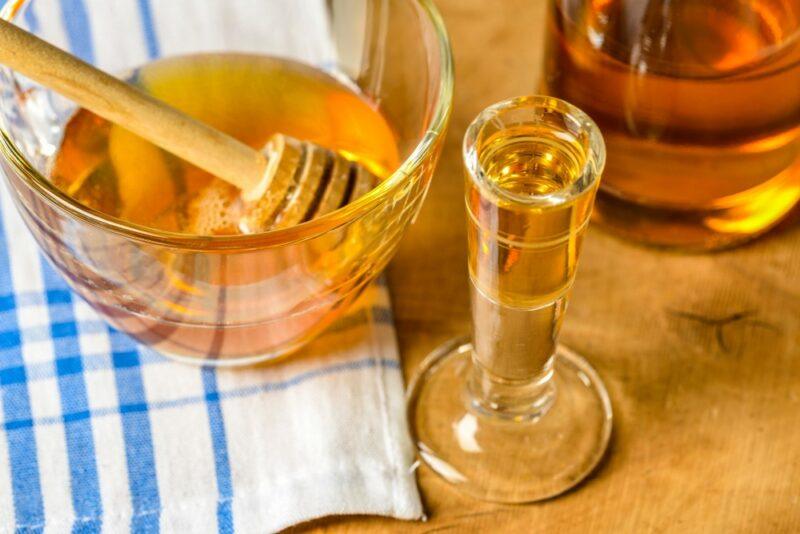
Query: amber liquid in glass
point(514, 416)
point(522, 257)
point(270, 300)
point(249, 97)
point(699, 103)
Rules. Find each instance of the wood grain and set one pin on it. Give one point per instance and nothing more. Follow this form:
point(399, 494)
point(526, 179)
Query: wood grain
point(700, 352)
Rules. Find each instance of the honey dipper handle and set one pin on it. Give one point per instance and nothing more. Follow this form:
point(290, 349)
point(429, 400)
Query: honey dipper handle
point(127, 106)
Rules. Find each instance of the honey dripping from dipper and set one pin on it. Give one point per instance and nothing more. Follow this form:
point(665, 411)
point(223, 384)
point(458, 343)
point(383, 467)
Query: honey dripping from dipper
point(335, 147)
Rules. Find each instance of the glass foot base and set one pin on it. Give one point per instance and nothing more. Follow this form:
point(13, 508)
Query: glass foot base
point(506, 460)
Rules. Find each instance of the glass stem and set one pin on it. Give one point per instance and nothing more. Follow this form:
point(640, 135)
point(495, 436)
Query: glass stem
point(514, 348)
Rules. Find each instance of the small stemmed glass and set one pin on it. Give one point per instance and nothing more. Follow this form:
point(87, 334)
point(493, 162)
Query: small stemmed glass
point(512, 416)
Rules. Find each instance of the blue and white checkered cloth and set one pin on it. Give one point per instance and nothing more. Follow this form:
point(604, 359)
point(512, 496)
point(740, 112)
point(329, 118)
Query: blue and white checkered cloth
point(98, 433)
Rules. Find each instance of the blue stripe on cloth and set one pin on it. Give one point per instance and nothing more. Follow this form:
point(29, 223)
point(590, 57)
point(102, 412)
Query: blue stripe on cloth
point(216, 423)
point(84, 482)
point(208, 397)
point(79, 436)
point(219, 442)
point(101, 361)
point(146, 13)
point(11, 340)
point(12, 301)
point(31, 20)
point(136, 429)
point(79, 32)
point(86, 363)
point(22, 456)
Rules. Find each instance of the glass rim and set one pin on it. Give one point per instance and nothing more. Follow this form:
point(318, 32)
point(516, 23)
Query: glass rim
point(742, 71)
point(273, 238)
point(591, 170)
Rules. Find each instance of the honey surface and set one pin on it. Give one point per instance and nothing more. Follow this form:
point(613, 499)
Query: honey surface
point(111, 170)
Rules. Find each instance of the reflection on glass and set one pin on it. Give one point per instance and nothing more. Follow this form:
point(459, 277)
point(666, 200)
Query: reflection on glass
point(699, 106)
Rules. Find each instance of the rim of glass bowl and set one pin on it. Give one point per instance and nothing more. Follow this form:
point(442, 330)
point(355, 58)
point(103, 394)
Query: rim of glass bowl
point(274, 238)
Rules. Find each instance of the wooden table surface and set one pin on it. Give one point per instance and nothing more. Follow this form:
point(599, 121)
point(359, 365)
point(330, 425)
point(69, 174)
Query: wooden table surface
point(700, 353)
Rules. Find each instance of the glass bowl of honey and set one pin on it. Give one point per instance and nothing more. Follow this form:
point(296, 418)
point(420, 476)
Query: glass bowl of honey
point(144, 237)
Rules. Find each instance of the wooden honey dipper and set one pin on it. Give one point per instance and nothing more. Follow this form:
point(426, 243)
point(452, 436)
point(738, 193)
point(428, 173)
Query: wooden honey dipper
point(288, 182)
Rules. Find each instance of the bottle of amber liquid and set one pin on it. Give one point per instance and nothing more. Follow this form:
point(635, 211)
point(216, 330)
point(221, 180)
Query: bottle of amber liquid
point(699, 103)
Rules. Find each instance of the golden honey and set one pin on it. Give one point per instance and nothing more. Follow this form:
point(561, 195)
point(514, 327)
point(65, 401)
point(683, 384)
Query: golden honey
point(526, 226)
point(247, 303)
point(250, 97)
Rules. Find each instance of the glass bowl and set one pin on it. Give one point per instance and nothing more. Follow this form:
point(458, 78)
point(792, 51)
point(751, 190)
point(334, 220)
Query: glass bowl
point(232, 299)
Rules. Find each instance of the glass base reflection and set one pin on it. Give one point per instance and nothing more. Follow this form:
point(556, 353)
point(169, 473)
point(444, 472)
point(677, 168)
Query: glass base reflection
point(501, 456)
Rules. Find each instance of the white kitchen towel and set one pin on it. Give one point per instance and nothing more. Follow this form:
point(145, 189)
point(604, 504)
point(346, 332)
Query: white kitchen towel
point(98, 433)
